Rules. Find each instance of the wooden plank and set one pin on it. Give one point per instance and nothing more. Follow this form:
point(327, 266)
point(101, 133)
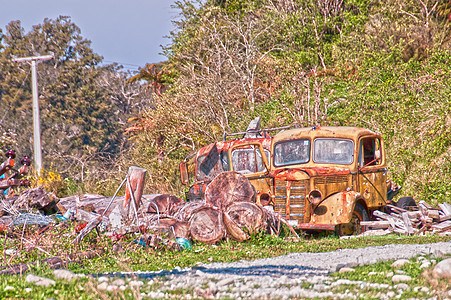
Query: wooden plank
point(376, 224)
point(376, 232)
point(400, 231)
point(394, 222)
point(426, 220)
point(433, 214)
point(395, 216)
point(381, 215)
point(396, 209)
point(414, 214)
point(407, 223)
point(444, 218)
point(423, 229)
point(422, 208)
point(446, 208)
point(442, 226)
point(427, 205)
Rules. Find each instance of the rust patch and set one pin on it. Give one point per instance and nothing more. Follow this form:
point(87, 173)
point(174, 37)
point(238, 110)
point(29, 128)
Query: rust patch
point(289, 175)
point(225, 146)
point(310, 226)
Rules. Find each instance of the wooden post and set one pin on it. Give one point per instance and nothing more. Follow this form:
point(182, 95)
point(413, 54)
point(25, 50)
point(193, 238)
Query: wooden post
point(137, 178)
point(408, 223)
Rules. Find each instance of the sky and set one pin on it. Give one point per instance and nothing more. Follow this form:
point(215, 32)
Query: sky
point(129, 32)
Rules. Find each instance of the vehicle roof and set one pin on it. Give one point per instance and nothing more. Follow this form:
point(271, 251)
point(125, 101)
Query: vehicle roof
point(224, 146)
point(323, 131)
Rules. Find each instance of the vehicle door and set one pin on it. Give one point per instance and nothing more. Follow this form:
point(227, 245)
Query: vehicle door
point(252, 160)
point(372, 171)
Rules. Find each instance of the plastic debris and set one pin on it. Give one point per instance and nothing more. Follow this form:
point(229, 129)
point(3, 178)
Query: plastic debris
point(32, 219)
point(184, 243)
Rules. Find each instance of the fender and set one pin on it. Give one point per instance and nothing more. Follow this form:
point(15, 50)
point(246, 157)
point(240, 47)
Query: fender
point(335, 209)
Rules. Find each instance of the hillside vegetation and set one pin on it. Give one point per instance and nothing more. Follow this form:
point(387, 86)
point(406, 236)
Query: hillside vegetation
point(383, 65)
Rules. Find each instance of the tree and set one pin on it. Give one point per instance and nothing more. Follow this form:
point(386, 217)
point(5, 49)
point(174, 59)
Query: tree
point(84, 106)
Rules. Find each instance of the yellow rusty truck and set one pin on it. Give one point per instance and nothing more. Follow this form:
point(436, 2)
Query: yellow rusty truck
point(328, 178)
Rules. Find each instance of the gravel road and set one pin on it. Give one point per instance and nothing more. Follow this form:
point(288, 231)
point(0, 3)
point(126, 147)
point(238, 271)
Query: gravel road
point(302, 275)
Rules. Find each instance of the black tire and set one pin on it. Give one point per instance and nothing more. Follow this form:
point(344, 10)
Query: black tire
point(406, 203)
point(353, 228)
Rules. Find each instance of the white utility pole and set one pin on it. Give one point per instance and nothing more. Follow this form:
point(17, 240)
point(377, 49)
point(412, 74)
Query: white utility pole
point(36, 118)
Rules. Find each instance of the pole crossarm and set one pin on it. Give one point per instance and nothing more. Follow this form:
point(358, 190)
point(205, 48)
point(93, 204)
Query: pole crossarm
point(33, 58)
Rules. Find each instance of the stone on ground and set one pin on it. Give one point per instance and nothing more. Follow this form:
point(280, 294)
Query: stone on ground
point(400, 263)
point(38, 280)
point(401, 278)
point(442, 269)
point(346, 269)
point(64, 274)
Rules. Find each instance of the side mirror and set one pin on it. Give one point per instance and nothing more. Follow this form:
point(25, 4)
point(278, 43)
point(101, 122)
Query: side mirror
point(184, 173)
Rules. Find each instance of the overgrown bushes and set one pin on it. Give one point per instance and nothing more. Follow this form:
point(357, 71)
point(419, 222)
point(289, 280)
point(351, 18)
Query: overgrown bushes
point(382, 65)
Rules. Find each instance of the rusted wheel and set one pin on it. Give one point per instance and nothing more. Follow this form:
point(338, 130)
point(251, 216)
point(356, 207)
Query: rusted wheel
point(406, 203)
point(353, 228)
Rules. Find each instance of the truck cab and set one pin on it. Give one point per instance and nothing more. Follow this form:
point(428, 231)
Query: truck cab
point(328, 178)
point(248, 156)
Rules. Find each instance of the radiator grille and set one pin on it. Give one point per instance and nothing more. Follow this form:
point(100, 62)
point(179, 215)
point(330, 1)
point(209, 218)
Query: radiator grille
point(297, 193)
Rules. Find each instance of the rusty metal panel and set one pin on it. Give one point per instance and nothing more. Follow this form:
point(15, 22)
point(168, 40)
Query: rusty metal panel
point(292, 173)
point(280, 197)
point(323, 131)
point(310, 226)
point(331, 184)
point(373, 187)
point(262, 186)
point(331, 179)
point(337, 209)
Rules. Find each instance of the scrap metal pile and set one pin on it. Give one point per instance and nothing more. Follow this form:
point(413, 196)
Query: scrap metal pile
point(228, 211)
point(425, 218)
point(16, 178)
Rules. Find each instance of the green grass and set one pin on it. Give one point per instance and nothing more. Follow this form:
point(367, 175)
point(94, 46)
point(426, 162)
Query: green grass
point(133, 257)
point(420, 278)
point(136, 257)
